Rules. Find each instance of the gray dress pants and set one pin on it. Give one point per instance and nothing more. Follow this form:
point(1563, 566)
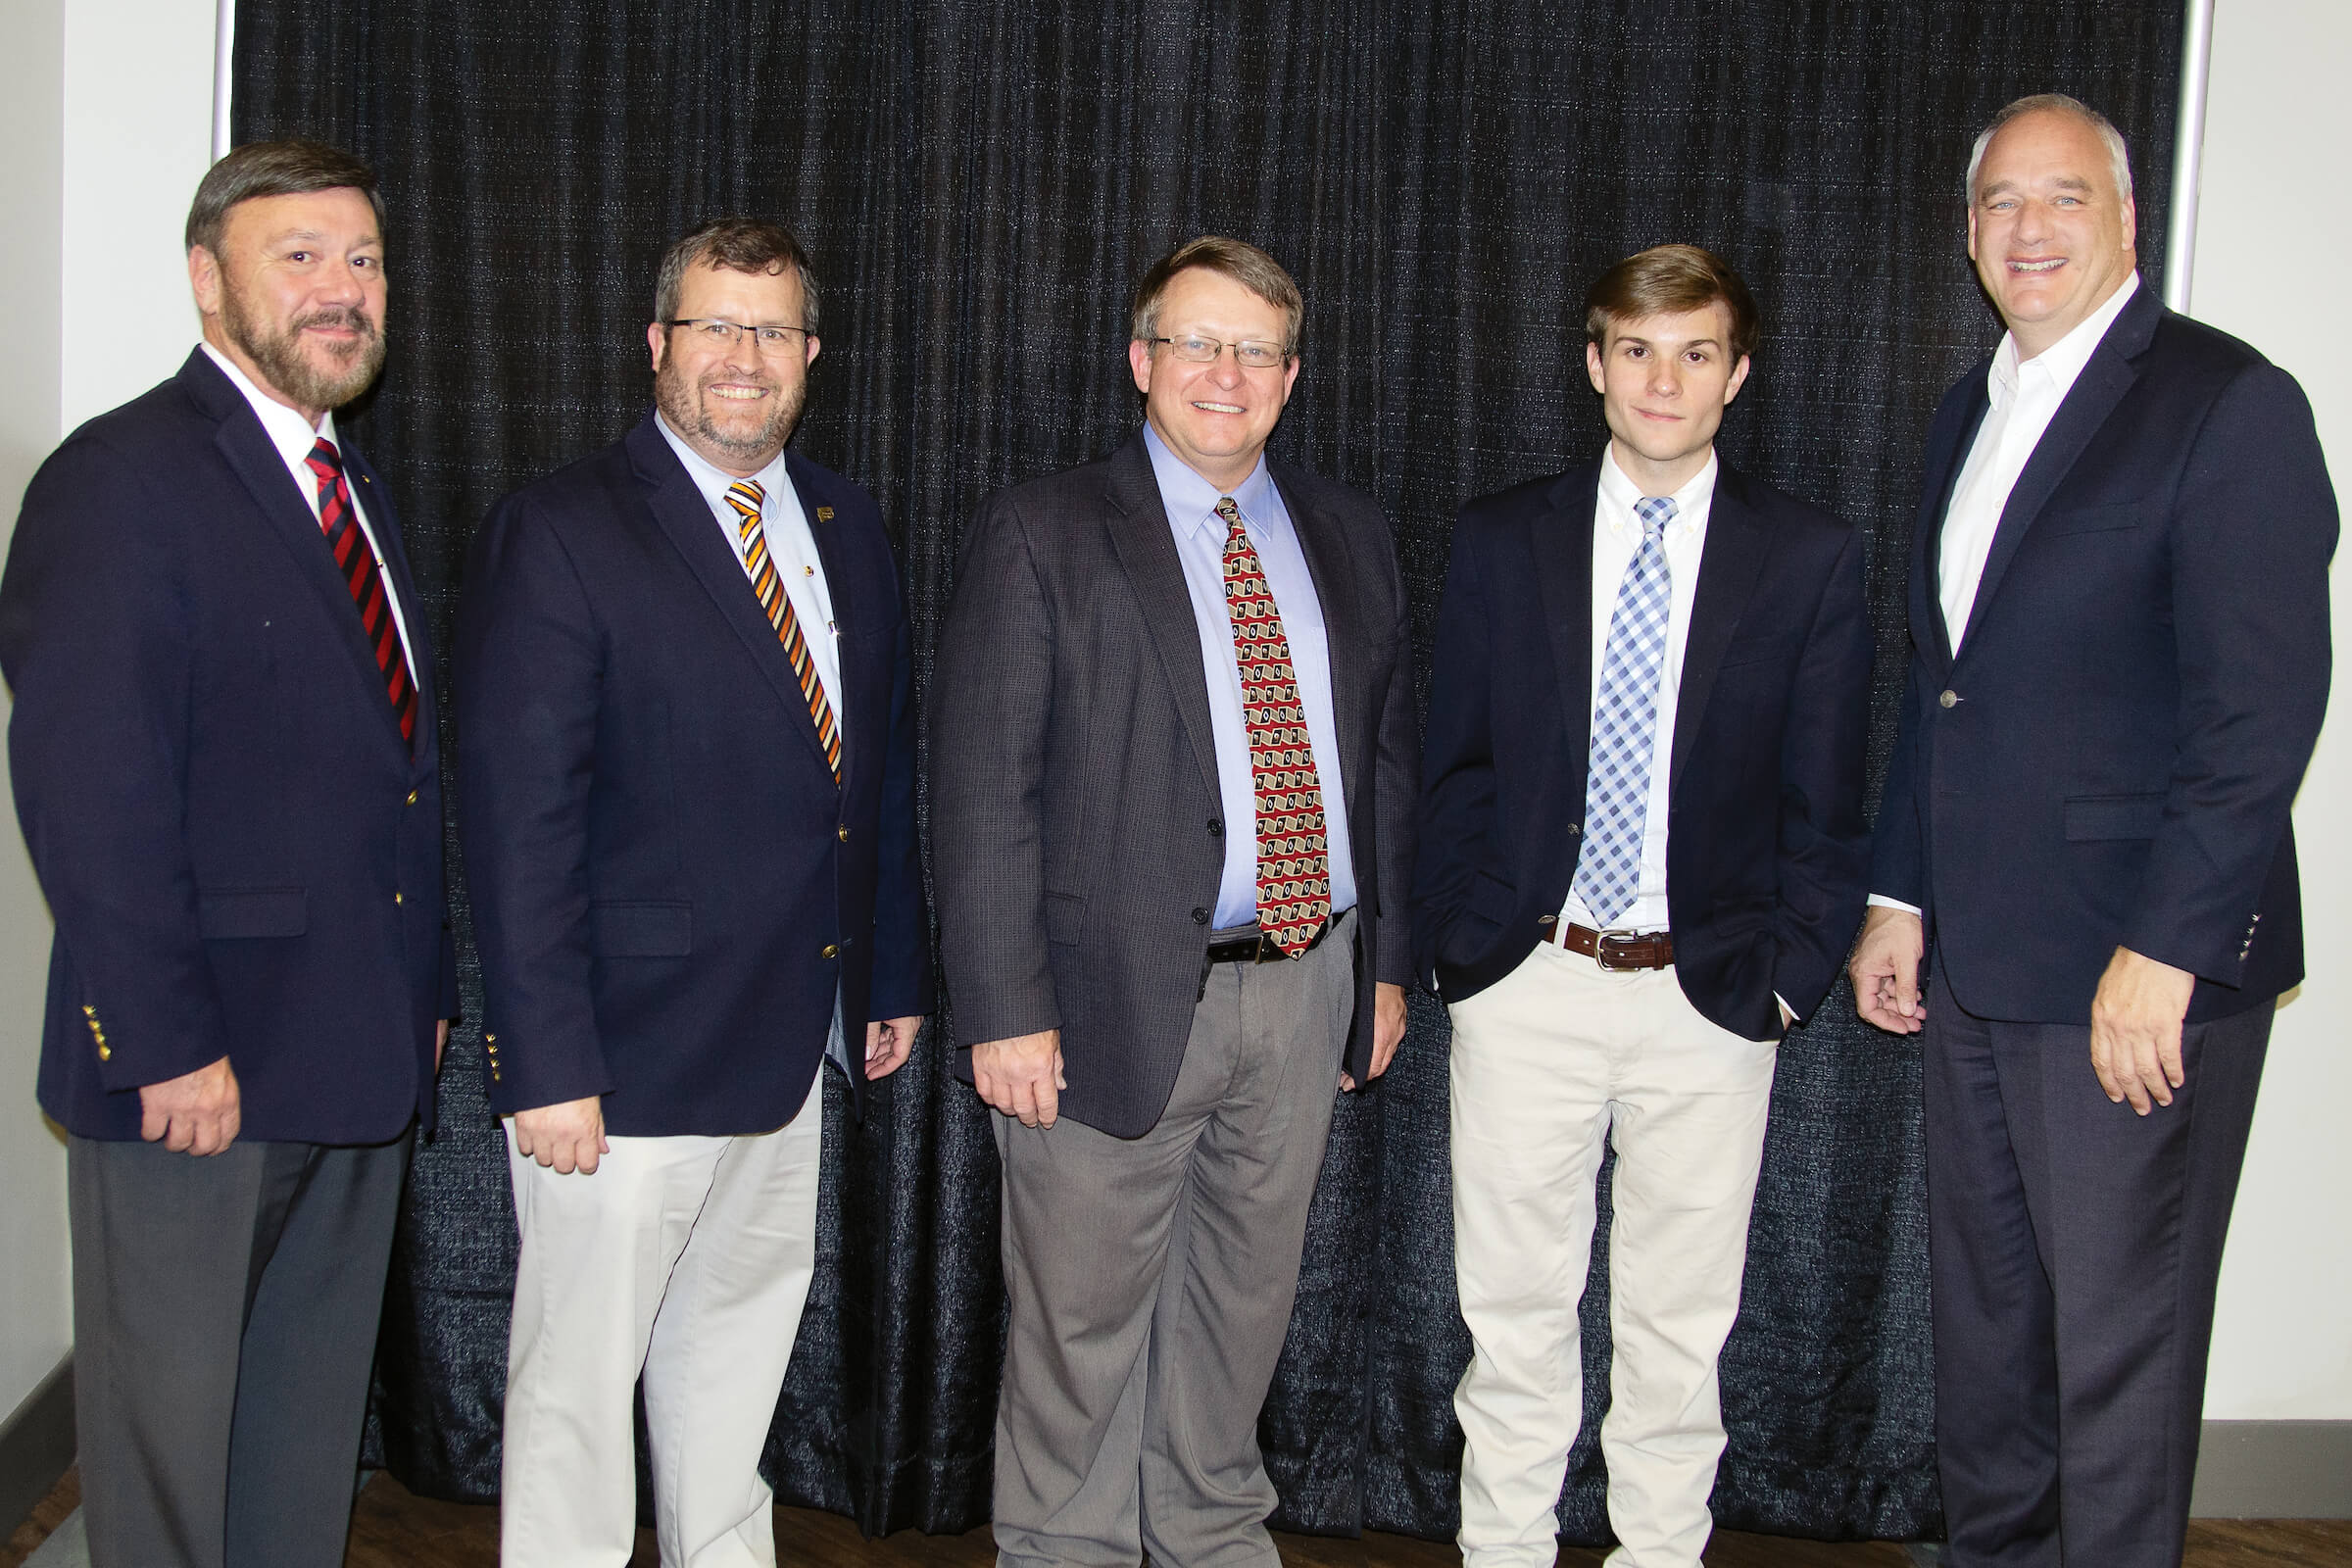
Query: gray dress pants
point(1150, 1282)
point(225, 1317)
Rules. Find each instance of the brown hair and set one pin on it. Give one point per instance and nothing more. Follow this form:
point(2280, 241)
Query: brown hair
point(739, 245)
point(289, 167)
point(1668, 280)
point(1261, 274)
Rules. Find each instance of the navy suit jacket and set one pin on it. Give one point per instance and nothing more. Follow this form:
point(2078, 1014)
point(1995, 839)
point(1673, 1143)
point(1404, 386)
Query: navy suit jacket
point(1766, 851)
point(667, 885)
point(242, 854)
point(2111, 758)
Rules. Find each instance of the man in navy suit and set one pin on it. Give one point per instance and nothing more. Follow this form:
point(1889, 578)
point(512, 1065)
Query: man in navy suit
point(225, 763)
point(1640, 857)
point(689, 825)
point(2119, 659)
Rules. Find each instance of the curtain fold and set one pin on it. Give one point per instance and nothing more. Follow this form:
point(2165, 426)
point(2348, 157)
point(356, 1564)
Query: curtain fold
point(980, 182)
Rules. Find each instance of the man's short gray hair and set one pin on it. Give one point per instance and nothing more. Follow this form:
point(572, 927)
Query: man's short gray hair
point(2056, 103)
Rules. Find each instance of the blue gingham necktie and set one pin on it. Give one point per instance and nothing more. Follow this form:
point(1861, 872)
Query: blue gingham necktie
point(1625, 723)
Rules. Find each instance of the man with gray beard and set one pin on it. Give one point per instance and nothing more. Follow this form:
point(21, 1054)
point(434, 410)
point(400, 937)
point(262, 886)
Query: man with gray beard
point(689, 827)
point(226, 771)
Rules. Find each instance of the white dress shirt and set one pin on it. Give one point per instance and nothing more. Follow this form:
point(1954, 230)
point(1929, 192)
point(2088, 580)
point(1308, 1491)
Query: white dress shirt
point(2025, 396)
point(790, 545)
point(1616, 539)
point(294, 437)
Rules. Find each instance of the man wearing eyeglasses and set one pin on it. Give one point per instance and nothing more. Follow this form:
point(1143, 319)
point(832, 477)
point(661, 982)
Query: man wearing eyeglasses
point(1171, 791)
point(689, 821)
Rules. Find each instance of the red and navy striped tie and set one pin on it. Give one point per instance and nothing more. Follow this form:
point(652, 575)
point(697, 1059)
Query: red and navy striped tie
point(339, 520)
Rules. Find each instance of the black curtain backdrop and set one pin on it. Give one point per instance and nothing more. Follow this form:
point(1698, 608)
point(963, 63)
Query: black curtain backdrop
point(981, 180)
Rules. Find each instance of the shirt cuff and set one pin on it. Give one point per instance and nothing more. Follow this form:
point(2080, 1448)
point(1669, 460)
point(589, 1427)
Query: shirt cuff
point(1879, 901)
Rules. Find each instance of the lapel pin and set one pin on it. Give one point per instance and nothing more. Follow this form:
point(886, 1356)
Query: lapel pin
point(824, 514)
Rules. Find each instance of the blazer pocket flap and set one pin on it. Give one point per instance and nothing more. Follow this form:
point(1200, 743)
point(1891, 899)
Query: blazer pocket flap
point(1491, 898)
point(1065, 916)
point(2113, 816)
point(230, 913)
point(640, 929)
point(2097, 519)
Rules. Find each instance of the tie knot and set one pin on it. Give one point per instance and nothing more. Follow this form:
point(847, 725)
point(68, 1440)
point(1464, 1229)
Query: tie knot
point(324, 460)
point(1230, 511)
point(746, 497)
point(1655, 512)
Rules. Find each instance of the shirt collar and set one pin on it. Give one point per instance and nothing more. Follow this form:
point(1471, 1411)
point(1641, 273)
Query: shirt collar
point(2063, 360)
point(293, 436)
point(1192, 500)
point(712, 480)
point(1619, 492)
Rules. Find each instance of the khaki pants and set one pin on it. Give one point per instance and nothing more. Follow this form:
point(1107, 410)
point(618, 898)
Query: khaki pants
point(1550, 1061)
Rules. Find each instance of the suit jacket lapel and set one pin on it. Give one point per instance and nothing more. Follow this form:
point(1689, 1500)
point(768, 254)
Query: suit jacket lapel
point(1729, 565)
point(1323, 540)
point(681, 513)
point(1139, 534)
point(1948, 446)
point(817, 506)
point(1561, 541)
point(247, 449)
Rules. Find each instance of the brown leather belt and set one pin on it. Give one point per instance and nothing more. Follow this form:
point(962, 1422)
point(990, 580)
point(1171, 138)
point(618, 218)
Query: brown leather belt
point(1614, 950)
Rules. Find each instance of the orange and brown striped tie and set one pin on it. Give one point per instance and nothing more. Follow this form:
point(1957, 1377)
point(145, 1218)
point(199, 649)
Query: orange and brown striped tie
point(745, 496)
point(1294, 868)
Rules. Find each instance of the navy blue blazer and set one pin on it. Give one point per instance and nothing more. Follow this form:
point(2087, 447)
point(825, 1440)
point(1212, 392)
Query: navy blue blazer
point(242, 854)
point(667, 885)
point(2111, 758)
point(1766, 851)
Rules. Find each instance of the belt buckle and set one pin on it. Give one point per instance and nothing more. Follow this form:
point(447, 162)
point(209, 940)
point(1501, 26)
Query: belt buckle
point(1600, 950)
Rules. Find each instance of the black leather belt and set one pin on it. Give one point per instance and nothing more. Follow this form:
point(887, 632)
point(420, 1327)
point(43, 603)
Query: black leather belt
point(1259, 948)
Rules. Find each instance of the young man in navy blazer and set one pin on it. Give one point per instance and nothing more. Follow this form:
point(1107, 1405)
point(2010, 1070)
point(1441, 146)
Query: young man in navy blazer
point(689, 828)
point(224, 758)
point(2083, 863)
point(1640, 857)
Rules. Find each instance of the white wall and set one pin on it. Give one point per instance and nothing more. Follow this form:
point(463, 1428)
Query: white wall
point(106, 121)
point(35, 1332)
point(2273, 232)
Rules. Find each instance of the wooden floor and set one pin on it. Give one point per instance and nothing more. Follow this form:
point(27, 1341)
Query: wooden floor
point(393, 1529)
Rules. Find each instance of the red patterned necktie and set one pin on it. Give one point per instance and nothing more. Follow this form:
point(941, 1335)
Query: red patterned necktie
point(339, 520)
point(746, 497)
point(1294, 869)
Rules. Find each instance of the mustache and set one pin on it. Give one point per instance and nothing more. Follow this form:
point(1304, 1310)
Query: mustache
point(350, 317)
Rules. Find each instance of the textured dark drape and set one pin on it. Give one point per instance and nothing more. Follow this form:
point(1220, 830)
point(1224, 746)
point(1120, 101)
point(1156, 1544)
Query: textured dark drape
point(981, 180)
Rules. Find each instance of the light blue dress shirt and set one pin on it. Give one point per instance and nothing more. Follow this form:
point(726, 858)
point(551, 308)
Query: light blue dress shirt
point(1192, 507)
